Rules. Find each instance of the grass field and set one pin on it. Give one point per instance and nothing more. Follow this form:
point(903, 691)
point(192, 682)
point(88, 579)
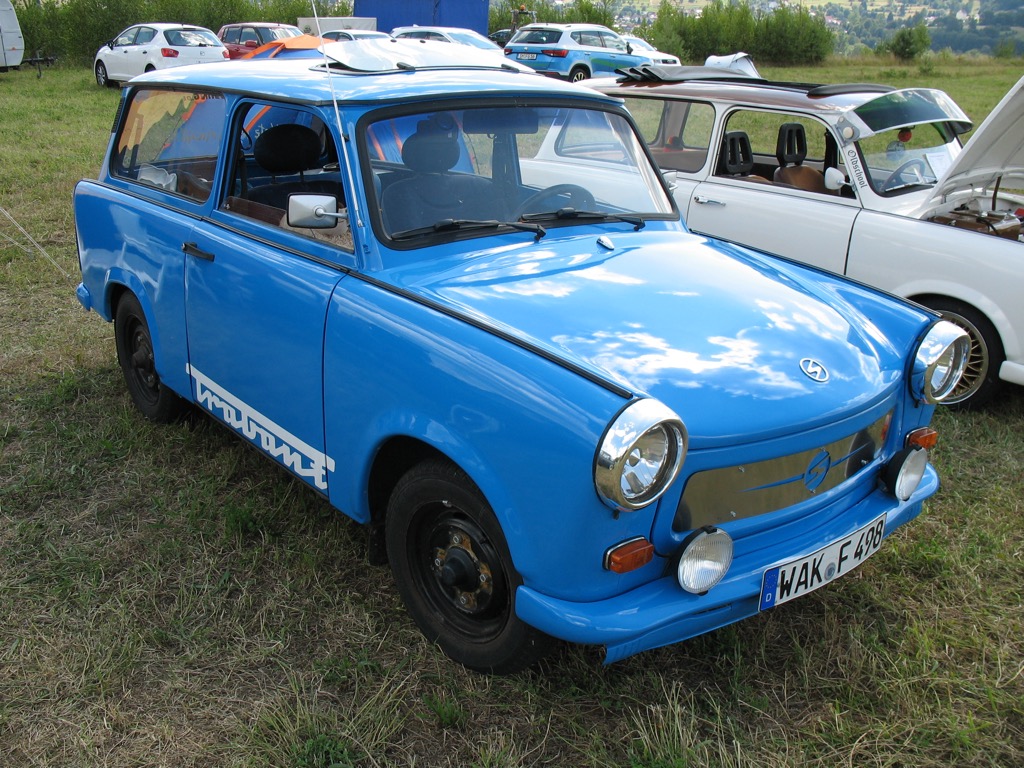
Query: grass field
point(169, 598)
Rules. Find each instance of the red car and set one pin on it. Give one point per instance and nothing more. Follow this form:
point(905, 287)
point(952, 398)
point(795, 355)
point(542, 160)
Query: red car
point(242, 38)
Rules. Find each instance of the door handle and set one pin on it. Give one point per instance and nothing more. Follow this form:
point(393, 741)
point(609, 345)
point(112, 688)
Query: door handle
point(701, 200)
point(191, 249)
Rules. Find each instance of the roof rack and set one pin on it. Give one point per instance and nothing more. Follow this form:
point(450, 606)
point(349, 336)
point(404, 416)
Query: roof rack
point(670, 73)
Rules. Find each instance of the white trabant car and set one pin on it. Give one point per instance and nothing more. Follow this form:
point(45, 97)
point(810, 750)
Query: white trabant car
point(865, 180)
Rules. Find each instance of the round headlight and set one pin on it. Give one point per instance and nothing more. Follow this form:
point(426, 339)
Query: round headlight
point(705, 559)
point(940, 362)
point(640, 455)
point(905, 471)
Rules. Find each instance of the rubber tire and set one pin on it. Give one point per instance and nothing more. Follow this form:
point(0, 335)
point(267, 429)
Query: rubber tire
point(437, 514)
point(981, 379)
point(102, 78)
point(135, 355)
point(577, 74)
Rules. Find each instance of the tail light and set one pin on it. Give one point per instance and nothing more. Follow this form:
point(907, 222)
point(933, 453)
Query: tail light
point(168, 53)
point(556, 53)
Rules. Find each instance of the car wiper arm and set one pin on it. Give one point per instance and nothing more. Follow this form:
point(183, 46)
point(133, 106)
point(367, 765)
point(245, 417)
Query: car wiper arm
point(571, 213)
point(453, 225)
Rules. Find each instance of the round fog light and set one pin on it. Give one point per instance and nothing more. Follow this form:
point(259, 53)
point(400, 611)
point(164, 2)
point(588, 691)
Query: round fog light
point(905, 471)
point(705, 559)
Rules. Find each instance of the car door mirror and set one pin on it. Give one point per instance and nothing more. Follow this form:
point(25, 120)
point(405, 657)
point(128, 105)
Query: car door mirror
point(835, 179)
point(314, 211)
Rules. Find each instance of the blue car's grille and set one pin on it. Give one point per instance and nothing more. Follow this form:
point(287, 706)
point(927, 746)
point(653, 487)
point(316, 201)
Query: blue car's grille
point(717, 496)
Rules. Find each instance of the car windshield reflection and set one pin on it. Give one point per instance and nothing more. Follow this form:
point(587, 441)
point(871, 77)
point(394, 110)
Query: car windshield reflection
point(560, 165)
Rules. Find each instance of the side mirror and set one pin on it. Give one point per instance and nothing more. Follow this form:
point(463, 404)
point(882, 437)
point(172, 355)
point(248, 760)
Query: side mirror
point(314, 211)
point(835, 179)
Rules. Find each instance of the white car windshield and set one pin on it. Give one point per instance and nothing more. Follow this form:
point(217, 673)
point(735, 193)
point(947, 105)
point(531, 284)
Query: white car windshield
point(908, 157)
point(508, 166)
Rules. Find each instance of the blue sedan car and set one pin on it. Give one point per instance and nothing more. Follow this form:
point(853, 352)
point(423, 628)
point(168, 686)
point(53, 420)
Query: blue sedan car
point(457, 301)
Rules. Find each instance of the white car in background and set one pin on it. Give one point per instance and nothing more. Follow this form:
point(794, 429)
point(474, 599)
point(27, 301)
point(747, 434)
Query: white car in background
point(864, 180)
point(352, 34)
point(145, 47)
point(641, 46)
point(456, 35)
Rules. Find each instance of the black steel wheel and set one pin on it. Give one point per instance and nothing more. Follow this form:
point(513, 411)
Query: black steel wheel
point(454, 572)
point(980, 381)
point(135, 354)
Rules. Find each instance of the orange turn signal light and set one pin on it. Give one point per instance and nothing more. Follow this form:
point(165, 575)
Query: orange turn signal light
point(925, 437)
point(629, 555)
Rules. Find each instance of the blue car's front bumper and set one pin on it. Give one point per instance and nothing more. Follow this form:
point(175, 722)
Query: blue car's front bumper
point(661, 613)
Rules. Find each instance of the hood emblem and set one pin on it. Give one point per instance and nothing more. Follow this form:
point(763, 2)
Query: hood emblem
point(814, 370)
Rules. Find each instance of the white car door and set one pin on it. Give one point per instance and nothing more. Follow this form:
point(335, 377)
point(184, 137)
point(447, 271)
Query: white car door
point(805, 226)
point(116, 61)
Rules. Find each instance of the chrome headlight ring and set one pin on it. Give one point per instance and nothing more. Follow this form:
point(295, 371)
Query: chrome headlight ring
point(639, 456)
point(939, 363)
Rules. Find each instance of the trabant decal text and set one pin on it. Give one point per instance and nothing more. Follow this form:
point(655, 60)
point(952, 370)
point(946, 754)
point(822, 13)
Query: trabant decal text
point(295, 454)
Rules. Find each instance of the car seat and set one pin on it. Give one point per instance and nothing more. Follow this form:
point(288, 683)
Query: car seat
point(738, 158)
point(432, 192)
point(287, 150)
point(791, 151)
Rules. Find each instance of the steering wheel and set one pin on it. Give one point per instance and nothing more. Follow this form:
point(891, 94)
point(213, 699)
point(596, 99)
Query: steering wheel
point(577, 197)
point(898, 173)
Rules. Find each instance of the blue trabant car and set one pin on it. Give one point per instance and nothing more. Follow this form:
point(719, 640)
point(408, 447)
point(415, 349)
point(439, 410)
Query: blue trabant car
point(457, 301)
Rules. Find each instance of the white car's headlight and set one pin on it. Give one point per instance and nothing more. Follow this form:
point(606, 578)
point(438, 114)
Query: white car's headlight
point(940, 362)
point(639, 456)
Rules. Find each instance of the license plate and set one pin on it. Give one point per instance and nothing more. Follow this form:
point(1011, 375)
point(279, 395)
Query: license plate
point(527, 56)
point(783, 583)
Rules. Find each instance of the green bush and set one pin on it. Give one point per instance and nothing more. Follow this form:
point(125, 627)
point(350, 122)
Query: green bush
point(73, 30)
point(907, 43)
point(784, 36)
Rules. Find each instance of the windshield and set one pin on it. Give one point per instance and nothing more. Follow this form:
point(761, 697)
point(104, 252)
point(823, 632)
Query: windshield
point(509, 167)
point(280, 33)
point(474, 39)
point(910, 157)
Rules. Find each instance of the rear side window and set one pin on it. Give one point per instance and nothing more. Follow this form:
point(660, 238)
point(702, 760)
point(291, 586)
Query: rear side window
point(678, 132)
point(170, 140)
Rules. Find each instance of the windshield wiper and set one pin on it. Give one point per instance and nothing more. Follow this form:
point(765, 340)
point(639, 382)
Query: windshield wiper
point(571, 213)
point(454, 225)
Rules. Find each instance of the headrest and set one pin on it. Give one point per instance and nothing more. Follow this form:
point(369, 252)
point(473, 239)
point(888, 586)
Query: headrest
point(433, 148)
point(288, 148)
point(792, 146)
point(737, 154)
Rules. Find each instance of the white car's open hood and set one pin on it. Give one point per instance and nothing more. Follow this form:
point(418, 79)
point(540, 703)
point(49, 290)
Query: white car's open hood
point(995, 150)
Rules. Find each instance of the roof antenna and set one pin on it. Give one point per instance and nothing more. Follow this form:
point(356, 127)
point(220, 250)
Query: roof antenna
point(353, 202)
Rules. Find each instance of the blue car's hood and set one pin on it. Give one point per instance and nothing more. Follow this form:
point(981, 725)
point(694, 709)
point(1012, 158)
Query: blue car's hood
point(716, 333)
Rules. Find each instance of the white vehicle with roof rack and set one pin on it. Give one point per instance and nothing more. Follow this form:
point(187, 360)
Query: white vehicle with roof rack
point(860, 179)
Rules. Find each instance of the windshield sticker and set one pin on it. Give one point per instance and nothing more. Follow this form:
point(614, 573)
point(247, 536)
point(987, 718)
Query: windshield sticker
point(293, 453)
point(855, 168)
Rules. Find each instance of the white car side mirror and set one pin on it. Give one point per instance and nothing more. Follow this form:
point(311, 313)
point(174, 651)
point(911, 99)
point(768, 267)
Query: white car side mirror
point(835, 179)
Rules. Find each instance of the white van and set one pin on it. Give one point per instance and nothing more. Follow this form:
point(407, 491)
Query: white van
point(13, 48)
